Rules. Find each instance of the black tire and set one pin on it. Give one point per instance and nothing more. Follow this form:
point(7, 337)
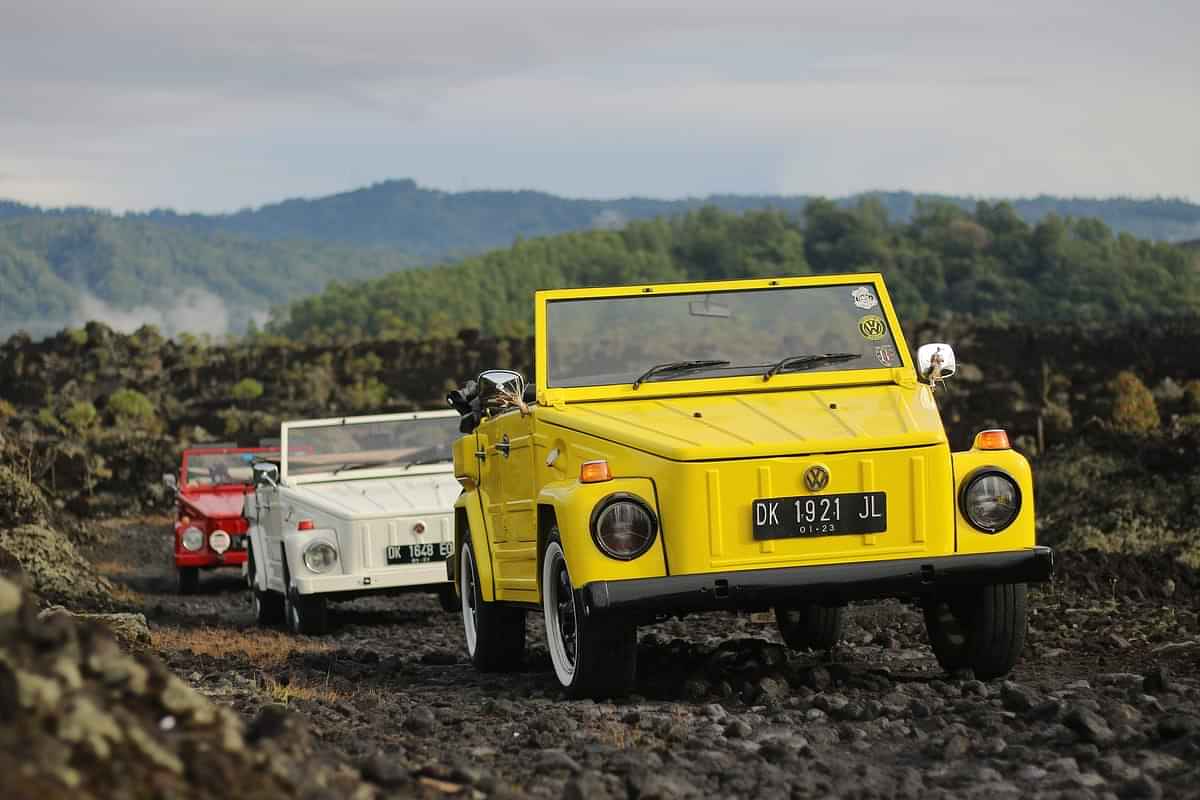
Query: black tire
point(592, 657)
point(305, 614)
point(448, 599)
point(189, 580)
point(982, 629)
point(268, 607)
point(495, 633)
point(811, 626)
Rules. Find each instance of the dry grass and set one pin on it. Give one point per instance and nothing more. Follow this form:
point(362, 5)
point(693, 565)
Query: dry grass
point(266, 649)
point(123, 594)
point(115, 569)
point(303, 690)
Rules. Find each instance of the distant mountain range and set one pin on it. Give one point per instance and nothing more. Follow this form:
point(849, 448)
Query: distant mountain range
point(59, 266)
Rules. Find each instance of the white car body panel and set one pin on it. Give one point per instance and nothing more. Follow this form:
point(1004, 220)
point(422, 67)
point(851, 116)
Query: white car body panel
point(360, 513)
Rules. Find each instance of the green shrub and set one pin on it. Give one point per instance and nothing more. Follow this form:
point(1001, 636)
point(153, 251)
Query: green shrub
point(81, 416)
point(132, 409)
point(7, 411)
point(246, 390)
point(21, 502)
point(1134, 410)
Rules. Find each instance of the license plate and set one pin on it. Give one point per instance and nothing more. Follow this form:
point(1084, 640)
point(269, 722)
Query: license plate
point(418, 553)
point(824, 515)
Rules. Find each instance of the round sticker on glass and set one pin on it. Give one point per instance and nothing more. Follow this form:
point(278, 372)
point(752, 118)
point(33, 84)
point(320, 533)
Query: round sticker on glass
point(872, 327)
point(864, 298)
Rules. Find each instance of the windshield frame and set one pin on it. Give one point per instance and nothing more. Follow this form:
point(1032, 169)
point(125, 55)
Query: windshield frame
point(185, 486)
point(389, 471)
point(708, 382)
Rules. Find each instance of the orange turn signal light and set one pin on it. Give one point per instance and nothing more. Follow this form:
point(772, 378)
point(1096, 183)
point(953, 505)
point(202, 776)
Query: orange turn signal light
point(995, 439)
point(594, 472)
point(305, 525)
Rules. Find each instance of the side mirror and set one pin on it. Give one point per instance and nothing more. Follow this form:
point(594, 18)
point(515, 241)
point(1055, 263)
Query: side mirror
point(170, 481)
point(266, 474)
point(501, 389)
point(935, 361)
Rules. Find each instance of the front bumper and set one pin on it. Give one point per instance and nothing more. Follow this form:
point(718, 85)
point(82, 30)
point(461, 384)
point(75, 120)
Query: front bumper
point(203, 558)
point(834, 584)
point(429, 574)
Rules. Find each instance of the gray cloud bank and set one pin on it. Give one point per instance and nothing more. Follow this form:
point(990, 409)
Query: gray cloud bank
point(213, 106)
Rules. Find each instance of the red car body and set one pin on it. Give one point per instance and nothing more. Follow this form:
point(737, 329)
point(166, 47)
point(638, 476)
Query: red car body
point(213, 483)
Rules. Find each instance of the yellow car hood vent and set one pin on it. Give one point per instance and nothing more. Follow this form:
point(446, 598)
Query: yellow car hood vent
point(749, 425)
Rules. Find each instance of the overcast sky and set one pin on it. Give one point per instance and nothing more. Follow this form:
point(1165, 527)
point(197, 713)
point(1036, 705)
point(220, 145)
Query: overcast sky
point(220, 105)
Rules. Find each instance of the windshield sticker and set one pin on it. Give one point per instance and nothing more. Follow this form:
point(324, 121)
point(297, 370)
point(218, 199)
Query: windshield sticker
point(872, 327)
point(886, 354)
point(864, 298)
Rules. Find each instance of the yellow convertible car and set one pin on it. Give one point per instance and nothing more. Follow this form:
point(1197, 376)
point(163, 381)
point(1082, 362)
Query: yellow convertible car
point(738, 445)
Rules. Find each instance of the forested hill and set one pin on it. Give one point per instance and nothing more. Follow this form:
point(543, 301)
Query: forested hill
point(988, 263)
point(65, 269)
point(432, 225)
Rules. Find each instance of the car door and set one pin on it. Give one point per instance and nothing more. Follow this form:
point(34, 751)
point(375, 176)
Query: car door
point(507, 486)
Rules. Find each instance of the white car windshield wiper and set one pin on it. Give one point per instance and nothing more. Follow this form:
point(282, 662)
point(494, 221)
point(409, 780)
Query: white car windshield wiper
point(807, 362)
point(427, 460)
point(351, 465)
point(678, 366)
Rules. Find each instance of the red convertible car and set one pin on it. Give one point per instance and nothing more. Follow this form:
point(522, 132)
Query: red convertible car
point(210, 529)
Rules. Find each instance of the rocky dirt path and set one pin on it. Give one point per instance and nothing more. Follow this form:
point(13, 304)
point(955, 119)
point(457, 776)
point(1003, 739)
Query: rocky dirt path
point(1106, 702)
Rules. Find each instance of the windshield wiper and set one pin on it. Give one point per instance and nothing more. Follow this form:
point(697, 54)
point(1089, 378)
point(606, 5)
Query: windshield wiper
point(678, 366)
point(807, 362)
point(430, 460)
point(351, 465)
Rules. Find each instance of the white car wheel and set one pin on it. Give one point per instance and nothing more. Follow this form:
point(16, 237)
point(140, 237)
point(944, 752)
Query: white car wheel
point(470, 613)
point(562, 621)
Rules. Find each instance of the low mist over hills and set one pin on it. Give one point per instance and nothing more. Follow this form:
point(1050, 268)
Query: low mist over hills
point(218, 272)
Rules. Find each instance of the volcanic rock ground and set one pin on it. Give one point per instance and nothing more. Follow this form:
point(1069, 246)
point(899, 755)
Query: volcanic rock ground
point(1105, 703)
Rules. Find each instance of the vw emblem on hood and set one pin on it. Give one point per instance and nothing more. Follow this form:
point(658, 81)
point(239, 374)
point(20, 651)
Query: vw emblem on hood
point(816, 478)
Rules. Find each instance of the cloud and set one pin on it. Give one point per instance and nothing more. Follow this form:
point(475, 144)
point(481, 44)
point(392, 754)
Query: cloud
point(194, 311)
point(218, 105)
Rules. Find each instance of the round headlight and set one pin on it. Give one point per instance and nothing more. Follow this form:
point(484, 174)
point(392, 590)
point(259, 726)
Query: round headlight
point(991, 500)
point(219, 541)
point(320, 557)
point(623, 526)
point(193, 539)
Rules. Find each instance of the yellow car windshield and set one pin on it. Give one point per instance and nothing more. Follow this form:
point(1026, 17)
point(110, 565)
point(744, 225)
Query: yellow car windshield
point(601, 341)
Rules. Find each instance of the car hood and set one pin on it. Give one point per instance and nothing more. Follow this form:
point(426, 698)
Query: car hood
point(376, 497)
point(215, 505)
point(758, 424)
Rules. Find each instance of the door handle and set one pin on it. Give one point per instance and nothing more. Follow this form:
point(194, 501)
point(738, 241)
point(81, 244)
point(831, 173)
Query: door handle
point(503, 446)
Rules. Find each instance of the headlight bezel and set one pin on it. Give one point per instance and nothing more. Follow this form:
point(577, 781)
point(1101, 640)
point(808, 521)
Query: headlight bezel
point(606, 503)
point(972, 480)
point(219, 536)
point(194, 535)
point(309, 551)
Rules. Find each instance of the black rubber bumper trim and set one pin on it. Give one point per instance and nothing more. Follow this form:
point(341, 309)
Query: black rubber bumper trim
point(763, 588)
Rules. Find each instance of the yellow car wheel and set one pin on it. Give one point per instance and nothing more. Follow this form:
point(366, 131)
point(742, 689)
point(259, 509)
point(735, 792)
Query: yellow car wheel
point(495, 634)
point(810, 626)
point(592, 657)
point(982, 629)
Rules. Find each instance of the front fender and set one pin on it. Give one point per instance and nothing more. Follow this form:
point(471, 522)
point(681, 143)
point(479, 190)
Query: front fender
point(468, 516)
point(1022, 532)
point(572, 503)
point(293, 551)
point(258, 543)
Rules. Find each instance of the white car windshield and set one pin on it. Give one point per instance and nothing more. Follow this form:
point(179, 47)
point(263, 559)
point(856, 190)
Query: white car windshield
point(338, 448)
point(613, 340)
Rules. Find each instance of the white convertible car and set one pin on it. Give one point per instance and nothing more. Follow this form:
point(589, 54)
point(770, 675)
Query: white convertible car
point(354, 506)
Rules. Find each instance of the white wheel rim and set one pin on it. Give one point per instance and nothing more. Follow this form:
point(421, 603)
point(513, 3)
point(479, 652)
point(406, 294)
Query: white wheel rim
point(467, 590)
point(554, 573)
point(257, 606)
point(293, 614)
